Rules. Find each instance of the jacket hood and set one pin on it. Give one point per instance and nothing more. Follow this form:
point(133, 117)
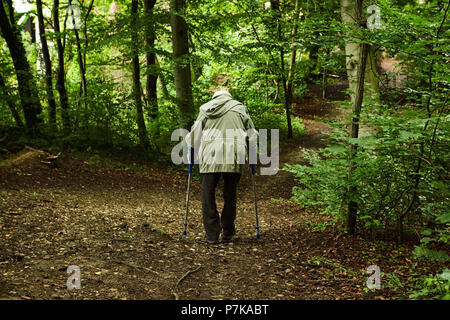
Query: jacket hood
point(221, 103)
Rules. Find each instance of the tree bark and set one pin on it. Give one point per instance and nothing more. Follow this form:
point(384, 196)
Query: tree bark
point(275, 6)
point(86, 35)
point(356, 68)
point(142, 131)
point(48, 65)
point(182, 71)
point(152, 66)
point(80, 63)
point(292, 62)
point(60, 75)
point(372, 87)
point(353, 205)
point(351, 13)
point(27, 85)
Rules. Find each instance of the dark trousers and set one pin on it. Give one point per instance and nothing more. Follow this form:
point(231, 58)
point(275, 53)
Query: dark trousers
point(211, 220)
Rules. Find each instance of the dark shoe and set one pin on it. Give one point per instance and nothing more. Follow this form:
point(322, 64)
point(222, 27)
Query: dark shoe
point(211, 241)
point(227, 237)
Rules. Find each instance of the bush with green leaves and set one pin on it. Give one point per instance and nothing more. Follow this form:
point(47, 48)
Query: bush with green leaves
point(433, 286)
point(402, 162)
point(385, 168)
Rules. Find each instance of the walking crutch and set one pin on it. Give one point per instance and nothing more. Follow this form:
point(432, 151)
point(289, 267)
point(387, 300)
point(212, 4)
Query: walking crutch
point(191, 164)
point(252, 166)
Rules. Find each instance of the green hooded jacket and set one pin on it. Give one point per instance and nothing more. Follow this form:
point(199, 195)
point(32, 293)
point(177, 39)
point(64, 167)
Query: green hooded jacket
point(221, 133)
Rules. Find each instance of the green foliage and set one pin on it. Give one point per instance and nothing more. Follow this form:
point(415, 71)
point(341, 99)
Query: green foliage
point(385, 166)
point(433, 287)
point(402, 162)
point(401, 166)
point(336, 267)
point(319, 225)
point(271, 120)
point(391, 281)
point(433, 255)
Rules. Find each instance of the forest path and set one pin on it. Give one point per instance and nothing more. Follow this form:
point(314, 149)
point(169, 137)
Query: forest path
point(122, 224)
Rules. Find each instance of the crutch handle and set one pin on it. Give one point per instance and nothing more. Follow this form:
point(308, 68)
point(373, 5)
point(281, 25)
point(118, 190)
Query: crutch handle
point(191, 158)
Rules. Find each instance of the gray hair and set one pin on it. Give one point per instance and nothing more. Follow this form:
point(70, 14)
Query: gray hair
point(221, 92)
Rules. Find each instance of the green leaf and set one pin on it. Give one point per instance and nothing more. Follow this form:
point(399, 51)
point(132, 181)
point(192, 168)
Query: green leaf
point(336, 149)
point(406, 135)
point(445, 275)
point(426, 240)
point(422, 252)
point(444, 218)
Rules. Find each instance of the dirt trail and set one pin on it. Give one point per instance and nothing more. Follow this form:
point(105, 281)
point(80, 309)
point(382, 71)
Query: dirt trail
point(123, 229)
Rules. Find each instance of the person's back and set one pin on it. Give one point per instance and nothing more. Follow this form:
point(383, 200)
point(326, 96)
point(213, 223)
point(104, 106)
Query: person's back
point(221, 128)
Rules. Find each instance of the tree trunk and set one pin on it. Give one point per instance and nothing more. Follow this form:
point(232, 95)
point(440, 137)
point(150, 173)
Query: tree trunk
point(275, 5)
point(182, 72)
point(291, 67)
point(142, 131)
point(152, 66)
point(353, 205)
point(10, 102)
point(27, 86)
point(60, 75)
point(86, 35)
point(349, 10)
point(372, 87)
point(80, 62)
point(356, 53)
point(48, 65)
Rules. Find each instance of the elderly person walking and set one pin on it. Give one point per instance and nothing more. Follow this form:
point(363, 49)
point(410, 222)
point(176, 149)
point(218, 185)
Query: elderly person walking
point(223, 131)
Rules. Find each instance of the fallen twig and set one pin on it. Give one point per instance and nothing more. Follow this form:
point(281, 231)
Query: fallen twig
point(132, 265)
point(325, 280)
point(184, 276)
